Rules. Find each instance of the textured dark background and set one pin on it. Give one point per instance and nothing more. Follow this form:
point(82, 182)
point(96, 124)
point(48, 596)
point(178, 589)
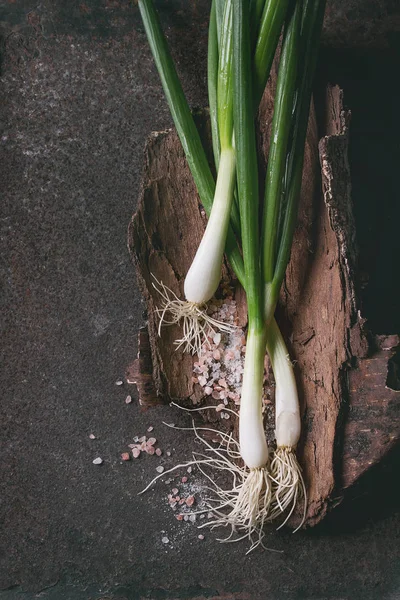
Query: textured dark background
point(79, 95)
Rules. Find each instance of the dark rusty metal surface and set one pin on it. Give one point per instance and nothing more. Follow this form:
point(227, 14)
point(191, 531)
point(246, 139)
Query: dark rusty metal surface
point(79, 96)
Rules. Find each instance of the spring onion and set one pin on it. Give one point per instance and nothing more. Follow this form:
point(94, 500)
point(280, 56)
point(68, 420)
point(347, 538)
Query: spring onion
point(243, 36)
point(203, 278)
point(281, 202)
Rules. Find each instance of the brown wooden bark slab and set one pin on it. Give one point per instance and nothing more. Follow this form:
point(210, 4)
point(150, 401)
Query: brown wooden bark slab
point(341, 369)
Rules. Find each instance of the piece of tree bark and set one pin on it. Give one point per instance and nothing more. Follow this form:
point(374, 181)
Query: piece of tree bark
point(341, 369)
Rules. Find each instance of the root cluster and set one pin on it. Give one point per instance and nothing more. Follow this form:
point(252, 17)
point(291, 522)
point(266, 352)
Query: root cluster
point(196, 323)
point(254, 497)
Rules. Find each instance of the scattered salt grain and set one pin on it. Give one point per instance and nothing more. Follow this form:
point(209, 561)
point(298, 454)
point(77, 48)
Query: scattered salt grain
point(98, 461)
point(158, 451)
point(186, 517)
point(184, 479)
point(150, 428)
point(125, 456)
point(217, 339)
point(150, 450)
point(179, 517)
point(175, 491)
point(151, 441)
point(159, 469)
point(190, 501)
point(165, 540)
point(192, 518)
point(189, 469)
point(142, 439)
point(201, 536)
point(168, 453)
point(119, 382)
point(92, 436)
point(202, 381)
point(208, 390)
point(135, 452)
point(128, 399)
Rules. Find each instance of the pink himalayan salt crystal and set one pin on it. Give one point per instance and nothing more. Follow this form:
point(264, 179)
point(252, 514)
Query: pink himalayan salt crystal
point(151, 441)
point(175, 491)
point(135, 452)
point(222, 383)
point(125, 456)
point(190, 501)
point(202, 381)
point(150, 450)
point(216, 395)
point(217, 354)
point(208, 390)
point(158, 451)
point(184, 479)
point(179, 517)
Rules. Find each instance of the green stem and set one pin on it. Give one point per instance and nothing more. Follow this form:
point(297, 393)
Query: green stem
point(246, 157)
point(272, 20)
point(313, 14)
point(312, 24)
point(256, 11)
point(283, 106)
point(212, 80)
point(225, 89)
point(219, 15)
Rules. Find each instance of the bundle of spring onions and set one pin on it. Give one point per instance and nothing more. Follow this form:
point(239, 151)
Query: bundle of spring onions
point(254, 229)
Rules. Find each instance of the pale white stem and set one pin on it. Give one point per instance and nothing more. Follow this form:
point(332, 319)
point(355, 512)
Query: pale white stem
point(204, 275)
point(287, 411)
point(253, 444)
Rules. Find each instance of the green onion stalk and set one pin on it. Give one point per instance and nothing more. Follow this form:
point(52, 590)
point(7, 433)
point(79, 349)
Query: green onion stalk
point(204, 275)
point(282, 194)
